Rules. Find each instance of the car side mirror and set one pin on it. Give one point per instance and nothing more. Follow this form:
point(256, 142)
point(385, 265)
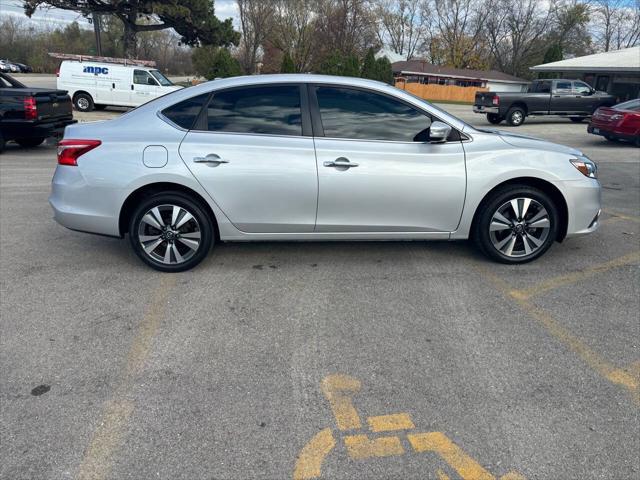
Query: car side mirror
point(439, 132)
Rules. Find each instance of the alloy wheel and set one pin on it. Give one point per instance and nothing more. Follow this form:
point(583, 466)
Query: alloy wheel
point(519, 227)
point(83, 103)
point(169, 234)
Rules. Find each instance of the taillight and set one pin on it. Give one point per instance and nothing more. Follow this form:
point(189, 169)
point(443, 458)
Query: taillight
point(495, 100)
point(70, 150)
point(30, 108)
point(57, 72)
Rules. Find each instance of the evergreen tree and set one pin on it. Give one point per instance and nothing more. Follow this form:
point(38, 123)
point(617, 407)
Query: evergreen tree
point(369, 69)
point(384, 72)
point(287, 64)
point(211, 62)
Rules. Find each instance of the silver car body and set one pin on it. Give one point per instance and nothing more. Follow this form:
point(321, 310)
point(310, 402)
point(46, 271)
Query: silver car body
point(277, 187)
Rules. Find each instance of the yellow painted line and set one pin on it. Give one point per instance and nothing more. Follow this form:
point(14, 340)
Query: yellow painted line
point(590, 357)
point(107, 438)
point(575, 277)
point(309, 462)
point(360, 446)
point(338, 390)
point(622, 216)
point(441, 475)
point(387, 423)
point(463, 464)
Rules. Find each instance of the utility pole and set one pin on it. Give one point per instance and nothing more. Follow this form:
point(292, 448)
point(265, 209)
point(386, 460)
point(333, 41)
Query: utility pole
point(96, 29)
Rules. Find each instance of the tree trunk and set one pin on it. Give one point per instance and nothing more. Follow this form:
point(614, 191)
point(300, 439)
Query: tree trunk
point(129, 36)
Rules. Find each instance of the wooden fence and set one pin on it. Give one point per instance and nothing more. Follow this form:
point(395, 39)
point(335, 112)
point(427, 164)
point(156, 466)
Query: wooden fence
point(435, 92)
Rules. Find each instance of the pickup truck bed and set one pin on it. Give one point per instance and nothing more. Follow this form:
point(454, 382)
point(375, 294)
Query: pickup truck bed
point(29, 115)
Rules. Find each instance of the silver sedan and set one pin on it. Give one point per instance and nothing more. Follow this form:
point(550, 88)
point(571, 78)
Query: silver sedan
point(310, 157)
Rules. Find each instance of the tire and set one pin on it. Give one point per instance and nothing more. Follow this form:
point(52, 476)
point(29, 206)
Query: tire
point(494, 118)
point(611, 139)
point(576, 119)
point(29, 142)
point(516, 116)
point(83, 102)
point(184, 252)
point(99, 107)
point(518, 242)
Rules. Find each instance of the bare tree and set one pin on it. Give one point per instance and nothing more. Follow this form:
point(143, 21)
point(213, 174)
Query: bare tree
point(293, 31)
point(345, 26)
point(616, 23)
point(402, 25)
point(256, 19)
point(514, 32)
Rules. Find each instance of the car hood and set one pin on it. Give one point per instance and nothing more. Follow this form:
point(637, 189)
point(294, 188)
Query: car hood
point(534, 143)
point(173, 88)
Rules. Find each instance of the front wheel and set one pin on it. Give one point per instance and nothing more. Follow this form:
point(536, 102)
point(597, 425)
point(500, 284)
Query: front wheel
point(29, 142)
point(516, 224)
point(516, 116)
point(83, 102)
point(171, 232)
point(494, 118)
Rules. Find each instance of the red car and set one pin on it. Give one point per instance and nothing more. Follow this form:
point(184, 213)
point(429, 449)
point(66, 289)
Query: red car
point(620, 122)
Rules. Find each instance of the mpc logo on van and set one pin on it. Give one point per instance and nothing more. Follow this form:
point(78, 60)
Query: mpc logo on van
point(96, 70)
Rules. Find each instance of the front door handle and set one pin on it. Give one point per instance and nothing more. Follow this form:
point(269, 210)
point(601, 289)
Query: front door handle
point(211, 158)
point(340, 162)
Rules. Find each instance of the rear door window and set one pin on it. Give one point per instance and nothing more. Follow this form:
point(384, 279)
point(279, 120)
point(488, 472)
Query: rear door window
point(270, 110)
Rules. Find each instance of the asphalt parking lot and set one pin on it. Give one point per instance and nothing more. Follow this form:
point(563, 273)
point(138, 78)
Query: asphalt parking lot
point(404, 360)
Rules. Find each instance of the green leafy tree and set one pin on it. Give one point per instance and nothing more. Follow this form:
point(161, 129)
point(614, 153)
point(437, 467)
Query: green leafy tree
point(194, 20)
point(211, 62)
point(287, 64)
point(369, 69)
point(384, 72)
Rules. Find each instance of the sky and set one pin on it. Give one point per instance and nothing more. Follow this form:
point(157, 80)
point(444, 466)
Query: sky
point(51, 16)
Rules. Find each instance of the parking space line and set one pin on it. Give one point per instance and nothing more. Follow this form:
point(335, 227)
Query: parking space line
point(621, 216)
point(575, 277)
point(107, 438)
point(594, 360)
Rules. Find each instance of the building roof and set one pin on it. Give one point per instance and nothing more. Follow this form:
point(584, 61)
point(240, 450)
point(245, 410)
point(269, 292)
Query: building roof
point(420, 67)
point(625, 60)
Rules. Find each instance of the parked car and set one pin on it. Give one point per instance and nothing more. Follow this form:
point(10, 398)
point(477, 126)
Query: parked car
point(8, 67)
point(620, 122)
point(313, 157)
point(29, 115)
point(97, 85)
point(567, 98)
point(24, 68)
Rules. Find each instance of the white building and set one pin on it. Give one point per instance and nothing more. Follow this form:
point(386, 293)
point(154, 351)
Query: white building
point(617, 72)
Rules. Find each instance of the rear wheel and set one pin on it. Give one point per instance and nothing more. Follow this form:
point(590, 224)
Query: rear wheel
point(516, 224)
point(170, 232)
point(576, 119)
point(494, 118)
point(516, 116)
point(83, 102)
point(29, 142)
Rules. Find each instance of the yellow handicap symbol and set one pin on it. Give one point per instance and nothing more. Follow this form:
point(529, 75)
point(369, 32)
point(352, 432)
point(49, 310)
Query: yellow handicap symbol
point(338, 390)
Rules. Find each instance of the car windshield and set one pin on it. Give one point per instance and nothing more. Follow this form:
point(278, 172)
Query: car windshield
point(630, 105)
point(164, 81)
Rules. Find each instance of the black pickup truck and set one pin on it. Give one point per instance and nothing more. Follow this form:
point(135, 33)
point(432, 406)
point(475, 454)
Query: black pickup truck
point(29, 115)
point(568, 98)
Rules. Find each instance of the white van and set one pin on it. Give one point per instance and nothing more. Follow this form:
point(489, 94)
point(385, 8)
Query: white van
point(97, 85)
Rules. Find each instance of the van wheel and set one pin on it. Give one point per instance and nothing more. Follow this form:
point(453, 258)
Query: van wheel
point(494, 118)
point(515, 116)
point(83, 102)
point(29, 142)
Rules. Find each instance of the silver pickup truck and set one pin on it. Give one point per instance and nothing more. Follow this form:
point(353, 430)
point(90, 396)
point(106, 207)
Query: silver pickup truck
point(568, 98)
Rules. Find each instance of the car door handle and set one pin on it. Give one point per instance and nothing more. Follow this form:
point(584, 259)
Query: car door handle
point(211, 158)
point(340, 162)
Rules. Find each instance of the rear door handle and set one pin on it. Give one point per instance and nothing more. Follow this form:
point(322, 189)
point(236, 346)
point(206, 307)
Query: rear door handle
point(340, 162)
point(211, 158)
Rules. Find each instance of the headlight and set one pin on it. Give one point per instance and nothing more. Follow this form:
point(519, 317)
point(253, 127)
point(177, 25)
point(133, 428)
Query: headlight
point(585, 166)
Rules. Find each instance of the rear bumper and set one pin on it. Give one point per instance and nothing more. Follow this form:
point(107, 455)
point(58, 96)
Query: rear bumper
point(483, 109)
point(605, 132)
point(80, 206)
point(26, 129)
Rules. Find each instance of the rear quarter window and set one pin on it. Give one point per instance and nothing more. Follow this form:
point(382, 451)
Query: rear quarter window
point(185, 113)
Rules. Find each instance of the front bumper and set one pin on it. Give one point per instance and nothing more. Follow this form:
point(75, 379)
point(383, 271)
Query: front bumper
point(604, 132)
point(483, 109)
point(584, 202)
